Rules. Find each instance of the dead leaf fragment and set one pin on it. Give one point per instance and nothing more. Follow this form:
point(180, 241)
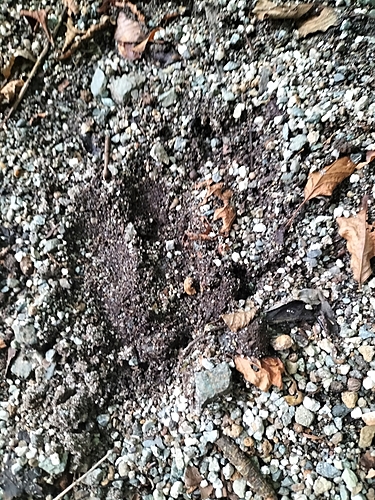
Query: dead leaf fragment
point(10, 91)
point(295, 399)
point(239, 319)
point(227, 214)
point(265, 9)
point(35, 17)
point(71, 6)
point(2, 344)
point(370, 156)
point(360, 237)
point(128, 31)
point(322, 22)
point(70, 34)
point(324, 182)
point(268, 371)
point(189, 286)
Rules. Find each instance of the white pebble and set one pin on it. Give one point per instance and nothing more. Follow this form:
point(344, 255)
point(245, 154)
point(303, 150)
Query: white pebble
point(259, 228)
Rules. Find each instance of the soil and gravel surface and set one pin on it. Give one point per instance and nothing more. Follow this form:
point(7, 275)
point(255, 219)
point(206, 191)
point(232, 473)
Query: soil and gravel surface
point(112, 290)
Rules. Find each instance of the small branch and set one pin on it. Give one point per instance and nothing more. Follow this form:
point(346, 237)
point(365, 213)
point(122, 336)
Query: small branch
point(107, 149)
point(37, 64)
point(71, 486)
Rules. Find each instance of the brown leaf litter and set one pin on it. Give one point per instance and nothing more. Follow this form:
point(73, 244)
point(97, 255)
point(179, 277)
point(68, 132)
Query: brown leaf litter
point(239, 319)
point(36, 18)
point(360, 237)
point(262, 373)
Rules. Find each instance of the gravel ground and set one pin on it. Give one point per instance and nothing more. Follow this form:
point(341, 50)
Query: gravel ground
point(103, 350)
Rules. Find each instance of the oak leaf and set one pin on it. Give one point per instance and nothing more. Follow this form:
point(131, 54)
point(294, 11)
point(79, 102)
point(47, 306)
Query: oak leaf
point(265, 9)
point(360, 237)
point(326, 18)
point(35, 17)
point(239, 319)
point(268, 371)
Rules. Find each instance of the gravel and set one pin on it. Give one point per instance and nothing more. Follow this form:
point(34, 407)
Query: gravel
point(243, 102)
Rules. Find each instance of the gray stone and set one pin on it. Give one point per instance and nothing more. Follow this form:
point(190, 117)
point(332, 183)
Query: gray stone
point(176, 489)
point(52, 466)
point(227, 96)
point(22, 366)
point(239, 487)
point(98, 82)
point(159, 154)
point(211, 384)
point(4, 415)
point(321, 485)
point(24, 334)
point(121, 88)
point(327, 470)
point(103, 419)
point(231, 66)
point(304, 416)
point(350, 479)
point(50, 245)
point(94, 477)
point(338, 77)
point(168, 98)
point(298, 142)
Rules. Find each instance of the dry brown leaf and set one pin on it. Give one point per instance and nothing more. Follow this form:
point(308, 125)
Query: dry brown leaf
point(265, 9)
point(324, 182)
point(294, 400)
point(2, 344)
point(370, 156)
point(35, 17)
point(71, 6)
point(70, 34)
point(150, 37)
point(322, 22)
point(239, 319)
point(7, 70)
point(228, 215)
point(10, 90)
point(189, 286)
point(269, 371)
point(104, 22)
point(360, 237)
point(192, 477)
point(128, 31)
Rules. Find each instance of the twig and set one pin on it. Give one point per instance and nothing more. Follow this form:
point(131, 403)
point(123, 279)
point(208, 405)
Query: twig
point(71, 486)
point(246, 468)
point(107, 149)
point(38, 62)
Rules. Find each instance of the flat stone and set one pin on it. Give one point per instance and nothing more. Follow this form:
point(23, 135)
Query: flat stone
point(350, 479)
point(239, 487)
point(22, 366)
point(367, 352)
point(298, 142)
point(168, 98)
point(322, 485)
point(304, 416)
point(98, 82)
point(24, 334)
point(122, 87)
point(327, 470)
point(159, 154)
point(55, 464)
point(211, 384)
point(94, 477)
point(176, 489)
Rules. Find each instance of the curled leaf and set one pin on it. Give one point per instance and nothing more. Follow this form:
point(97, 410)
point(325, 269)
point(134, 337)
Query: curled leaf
point(239, 319)
point(189, 286)
point(267, 372)
point(10, 90)
point(295, 399)
point(265, 9)
point(360, 237)
point(322, 22)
